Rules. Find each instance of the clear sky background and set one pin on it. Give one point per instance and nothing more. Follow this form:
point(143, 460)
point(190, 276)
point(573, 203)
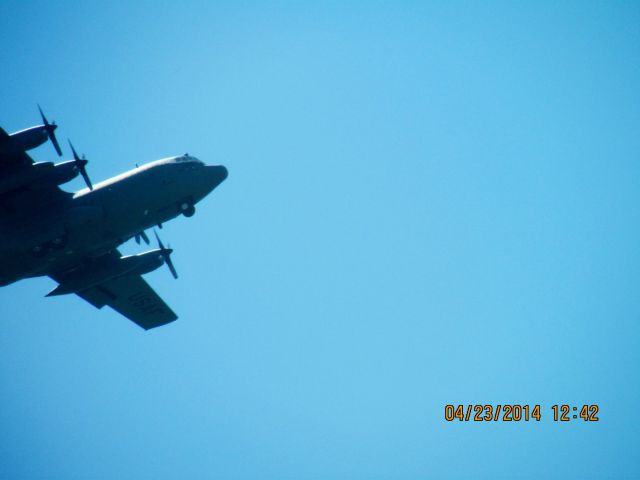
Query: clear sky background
point(428, 203)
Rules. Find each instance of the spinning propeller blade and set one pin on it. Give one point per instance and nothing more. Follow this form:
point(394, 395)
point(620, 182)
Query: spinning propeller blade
point(50, 129)
point(166, 255)
point(81, 164)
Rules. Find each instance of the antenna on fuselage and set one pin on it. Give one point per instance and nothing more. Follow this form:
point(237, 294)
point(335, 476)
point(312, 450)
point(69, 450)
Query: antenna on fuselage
point(143, 236)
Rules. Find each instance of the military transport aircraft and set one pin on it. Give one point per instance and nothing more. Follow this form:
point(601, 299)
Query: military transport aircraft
point(73, 237)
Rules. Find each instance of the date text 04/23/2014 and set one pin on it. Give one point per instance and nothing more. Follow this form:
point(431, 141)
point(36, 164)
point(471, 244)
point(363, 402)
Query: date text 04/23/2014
point(519, 413)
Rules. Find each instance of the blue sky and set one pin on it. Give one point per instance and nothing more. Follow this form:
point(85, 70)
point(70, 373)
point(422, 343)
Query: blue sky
point(427, 204)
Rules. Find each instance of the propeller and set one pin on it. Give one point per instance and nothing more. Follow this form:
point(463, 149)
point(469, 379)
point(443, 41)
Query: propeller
point(166, 255)
point(81, 164)
point(50, 128)
point(142, 236)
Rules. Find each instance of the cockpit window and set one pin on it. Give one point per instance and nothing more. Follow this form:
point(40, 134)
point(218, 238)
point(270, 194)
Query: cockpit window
point(186, 159)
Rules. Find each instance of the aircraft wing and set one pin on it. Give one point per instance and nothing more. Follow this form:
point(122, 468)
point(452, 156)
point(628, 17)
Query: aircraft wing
point(129, 295)
point(132, 297)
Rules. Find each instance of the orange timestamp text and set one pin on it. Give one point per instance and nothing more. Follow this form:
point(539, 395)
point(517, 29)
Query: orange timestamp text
point(518, 413)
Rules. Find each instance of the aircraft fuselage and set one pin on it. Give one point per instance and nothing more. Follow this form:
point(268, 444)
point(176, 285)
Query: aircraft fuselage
point(90, 223)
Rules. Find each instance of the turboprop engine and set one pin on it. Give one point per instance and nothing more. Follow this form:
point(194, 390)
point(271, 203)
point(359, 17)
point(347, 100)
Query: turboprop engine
point(108, 268)
point(30, 138)
point(40, 174)
point(85, 278)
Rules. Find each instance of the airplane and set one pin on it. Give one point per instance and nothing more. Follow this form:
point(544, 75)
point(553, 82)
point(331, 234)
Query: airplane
point(74, 237)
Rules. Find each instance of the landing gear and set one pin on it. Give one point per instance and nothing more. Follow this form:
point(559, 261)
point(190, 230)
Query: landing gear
point(187, 209)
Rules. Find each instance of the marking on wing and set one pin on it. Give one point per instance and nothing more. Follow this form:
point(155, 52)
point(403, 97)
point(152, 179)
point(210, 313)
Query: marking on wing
point(146, 303)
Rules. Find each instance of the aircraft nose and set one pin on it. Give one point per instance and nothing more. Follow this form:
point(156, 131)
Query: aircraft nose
point(216, 174)
point(223, 172)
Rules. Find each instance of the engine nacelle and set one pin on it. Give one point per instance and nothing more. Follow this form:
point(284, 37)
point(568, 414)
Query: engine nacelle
point(95, 274)
point(24, 140)
point(62, 173)
point(40, 174)
point(146, 262)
